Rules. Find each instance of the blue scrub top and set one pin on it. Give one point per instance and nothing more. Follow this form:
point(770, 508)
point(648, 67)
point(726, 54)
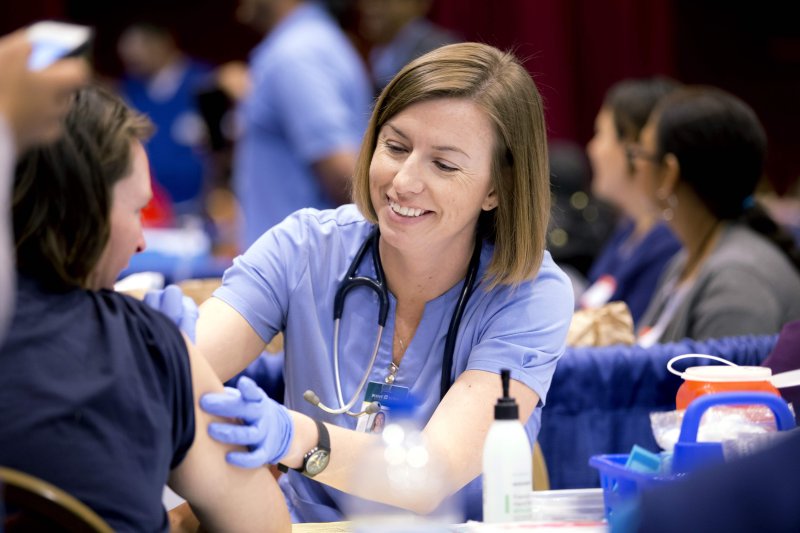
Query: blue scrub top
point(287, 280)
point(311, 98)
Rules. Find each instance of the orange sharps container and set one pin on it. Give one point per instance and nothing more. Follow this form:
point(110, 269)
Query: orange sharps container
point(700, 380)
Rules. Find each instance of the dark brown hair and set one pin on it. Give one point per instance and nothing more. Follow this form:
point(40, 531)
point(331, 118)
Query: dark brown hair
point(631, 101)
point(720, 146)
point(719, 143)
point(63, 190)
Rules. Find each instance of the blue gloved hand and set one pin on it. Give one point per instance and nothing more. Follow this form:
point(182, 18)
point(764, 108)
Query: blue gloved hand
point(178, 307)
point(268, 428)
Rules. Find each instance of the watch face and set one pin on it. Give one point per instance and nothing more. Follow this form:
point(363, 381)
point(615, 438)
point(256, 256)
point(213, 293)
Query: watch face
point(317, 462)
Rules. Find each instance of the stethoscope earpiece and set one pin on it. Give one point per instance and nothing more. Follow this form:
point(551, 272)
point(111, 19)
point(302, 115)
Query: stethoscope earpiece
point(372, 408)
point(311, 397)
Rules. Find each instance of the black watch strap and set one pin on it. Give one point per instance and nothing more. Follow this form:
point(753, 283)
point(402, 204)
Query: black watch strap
point(323, 443)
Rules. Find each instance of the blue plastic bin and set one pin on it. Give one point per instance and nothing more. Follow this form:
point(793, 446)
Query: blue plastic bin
point(620, 485)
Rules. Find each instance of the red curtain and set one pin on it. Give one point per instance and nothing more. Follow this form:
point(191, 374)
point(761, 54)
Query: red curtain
point(575, 49)
point(17, 13)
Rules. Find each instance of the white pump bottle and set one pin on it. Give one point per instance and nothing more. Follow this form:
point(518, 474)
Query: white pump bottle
point(507, 468)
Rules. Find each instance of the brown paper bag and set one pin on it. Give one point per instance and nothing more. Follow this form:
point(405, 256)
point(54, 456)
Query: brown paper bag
point(604, 326)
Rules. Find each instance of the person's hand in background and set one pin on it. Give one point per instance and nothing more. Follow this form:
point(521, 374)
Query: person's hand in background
point(268, 428)
point(32, 105)
point(178, 307)
point(234, 79)
point(33, 102)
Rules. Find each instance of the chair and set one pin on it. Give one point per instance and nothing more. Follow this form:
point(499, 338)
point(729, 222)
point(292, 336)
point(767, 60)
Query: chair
point(32, 504)
point(541, 480)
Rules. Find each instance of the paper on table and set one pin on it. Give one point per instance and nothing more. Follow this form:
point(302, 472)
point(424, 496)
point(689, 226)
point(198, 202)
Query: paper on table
point(536, 527)
point(323, 527)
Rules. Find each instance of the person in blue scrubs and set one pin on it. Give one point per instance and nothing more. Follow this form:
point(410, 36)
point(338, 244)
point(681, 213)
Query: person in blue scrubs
point(398, 31)
point(303, 118)
point(633, 259)
point(455, 153)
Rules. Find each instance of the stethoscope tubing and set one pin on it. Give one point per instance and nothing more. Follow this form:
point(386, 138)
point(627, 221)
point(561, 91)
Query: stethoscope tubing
point(346, 408)
point(455, 320)
point(379, 286)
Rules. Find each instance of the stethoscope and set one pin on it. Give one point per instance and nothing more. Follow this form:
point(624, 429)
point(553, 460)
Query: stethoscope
point(378, 285)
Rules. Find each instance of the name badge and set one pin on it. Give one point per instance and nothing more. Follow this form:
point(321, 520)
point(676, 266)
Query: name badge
point(599, 293)
point(380, 393)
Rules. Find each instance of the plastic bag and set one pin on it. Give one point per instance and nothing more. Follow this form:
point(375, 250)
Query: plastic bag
point(605, 326)
point(742, 430)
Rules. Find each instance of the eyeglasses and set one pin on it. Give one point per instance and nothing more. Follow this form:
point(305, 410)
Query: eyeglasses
point(635, 151)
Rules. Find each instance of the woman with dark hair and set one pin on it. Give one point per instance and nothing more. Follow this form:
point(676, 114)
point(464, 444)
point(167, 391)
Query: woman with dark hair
point(96, 388)
point(700, 158)
point(635, 256)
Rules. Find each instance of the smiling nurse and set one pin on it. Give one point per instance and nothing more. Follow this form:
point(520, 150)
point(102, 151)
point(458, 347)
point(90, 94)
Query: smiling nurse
point(453, 172)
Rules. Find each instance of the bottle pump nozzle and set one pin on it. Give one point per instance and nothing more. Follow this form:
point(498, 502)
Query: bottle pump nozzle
point(506, 407)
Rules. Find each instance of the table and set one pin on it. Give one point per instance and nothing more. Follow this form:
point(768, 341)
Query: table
point(475, 527)
point(562, 511)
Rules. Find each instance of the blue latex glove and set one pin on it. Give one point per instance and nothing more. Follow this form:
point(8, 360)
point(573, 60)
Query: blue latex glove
point(268, 428)
point(178, 307)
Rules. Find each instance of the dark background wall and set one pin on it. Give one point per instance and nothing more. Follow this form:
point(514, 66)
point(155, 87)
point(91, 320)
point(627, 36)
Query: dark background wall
point(575, 49)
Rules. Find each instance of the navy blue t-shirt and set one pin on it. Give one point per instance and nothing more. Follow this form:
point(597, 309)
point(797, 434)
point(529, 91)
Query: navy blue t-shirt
point(96, 398)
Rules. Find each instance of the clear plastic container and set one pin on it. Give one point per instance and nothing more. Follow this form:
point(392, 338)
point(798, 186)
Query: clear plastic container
point(573, 505)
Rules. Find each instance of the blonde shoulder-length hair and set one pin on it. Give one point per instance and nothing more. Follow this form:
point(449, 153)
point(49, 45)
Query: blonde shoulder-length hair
point(500, 85)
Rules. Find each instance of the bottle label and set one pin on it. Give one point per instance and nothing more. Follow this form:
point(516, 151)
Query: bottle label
point(521, 508)
point(507, 492)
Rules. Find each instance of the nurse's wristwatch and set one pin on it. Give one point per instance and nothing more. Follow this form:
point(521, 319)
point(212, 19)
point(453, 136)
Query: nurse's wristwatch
point(317, 457)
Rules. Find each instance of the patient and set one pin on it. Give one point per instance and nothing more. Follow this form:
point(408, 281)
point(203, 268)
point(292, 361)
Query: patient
point(96, 388)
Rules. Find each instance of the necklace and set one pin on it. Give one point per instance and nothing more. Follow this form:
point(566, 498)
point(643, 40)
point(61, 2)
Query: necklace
point(394, 367)
point(392, 375)
point(690, 266)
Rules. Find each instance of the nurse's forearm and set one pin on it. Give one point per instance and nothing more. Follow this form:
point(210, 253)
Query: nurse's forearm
point(348, 451)
point(455, 448)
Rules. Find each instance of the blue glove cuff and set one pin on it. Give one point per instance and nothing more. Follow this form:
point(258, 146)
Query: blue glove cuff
point(288, 434)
